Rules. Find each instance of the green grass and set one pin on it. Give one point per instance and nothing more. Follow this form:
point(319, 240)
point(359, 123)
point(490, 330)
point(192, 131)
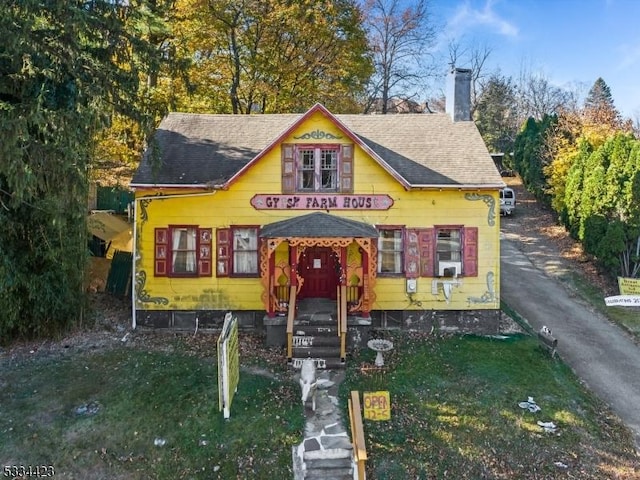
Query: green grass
point(455, 414)
point(144, 395)
point(454, 399)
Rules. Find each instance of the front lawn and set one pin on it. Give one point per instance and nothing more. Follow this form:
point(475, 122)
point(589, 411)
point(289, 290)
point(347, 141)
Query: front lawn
point(135, 413)
point(146, 409)
point(456, 414)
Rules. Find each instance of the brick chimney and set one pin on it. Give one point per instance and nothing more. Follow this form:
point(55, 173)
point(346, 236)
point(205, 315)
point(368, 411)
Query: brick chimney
point(458, 99)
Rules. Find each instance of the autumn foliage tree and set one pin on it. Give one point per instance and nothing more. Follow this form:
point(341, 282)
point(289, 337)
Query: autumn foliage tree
point(272, 56)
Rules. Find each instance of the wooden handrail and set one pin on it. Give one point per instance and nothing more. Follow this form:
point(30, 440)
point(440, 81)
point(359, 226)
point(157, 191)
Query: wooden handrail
point(339, 301)
point(357, 434)
point(343, 308)
point(342, 320)
point(291, 315)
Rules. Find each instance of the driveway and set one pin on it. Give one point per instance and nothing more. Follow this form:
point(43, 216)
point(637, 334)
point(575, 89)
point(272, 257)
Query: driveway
point(603, 355)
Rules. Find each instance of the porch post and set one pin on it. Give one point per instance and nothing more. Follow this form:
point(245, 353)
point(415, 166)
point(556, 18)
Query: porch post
point(343, 265)
point(366, 298)
point(293, 261)
point(271, 267)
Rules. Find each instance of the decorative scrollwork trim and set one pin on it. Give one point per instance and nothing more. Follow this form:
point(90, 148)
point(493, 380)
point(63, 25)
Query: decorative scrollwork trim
point(318, 135)
point(489, 201)
point(142, 295)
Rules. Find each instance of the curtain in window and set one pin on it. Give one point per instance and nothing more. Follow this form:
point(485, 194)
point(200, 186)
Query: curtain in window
point(245, 250)
point(390, 251)
point(329, 169)
point(184, 250)
point(449, 246)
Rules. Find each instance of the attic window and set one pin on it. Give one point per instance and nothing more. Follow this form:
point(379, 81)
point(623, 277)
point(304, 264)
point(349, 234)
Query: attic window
point(317, 168)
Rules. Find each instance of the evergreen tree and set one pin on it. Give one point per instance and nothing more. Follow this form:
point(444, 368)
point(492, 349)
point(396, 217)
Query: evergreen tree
point(63, 64)
point(495, 114)
point(599, 96)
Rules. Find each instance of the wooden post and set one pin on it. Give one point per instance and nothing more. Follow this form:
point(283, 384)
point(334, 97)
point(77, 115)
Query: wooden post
point(366, 298)
point(272, 265)
point(291, 315)
point(357, 433)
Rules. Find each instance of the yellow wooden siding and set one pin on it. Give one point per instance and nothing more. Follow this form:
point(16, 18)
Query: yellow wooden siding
point(220, 209)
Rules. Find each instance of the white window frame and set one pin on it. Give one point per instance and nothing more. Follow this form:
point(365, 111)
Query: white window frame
point(311, 162)
point(396, 252)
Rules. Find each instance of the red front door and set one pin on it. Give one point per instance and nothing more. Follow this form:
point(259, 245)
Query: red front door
point(318, 268)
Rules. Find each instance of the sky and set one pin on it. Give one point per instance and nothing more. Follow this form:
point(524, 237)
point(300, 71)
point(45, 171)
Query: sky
point(570, 42)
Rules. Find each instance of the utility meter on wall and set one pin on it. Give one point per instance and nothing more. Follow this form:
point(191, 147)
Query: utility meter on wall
point(412, 285)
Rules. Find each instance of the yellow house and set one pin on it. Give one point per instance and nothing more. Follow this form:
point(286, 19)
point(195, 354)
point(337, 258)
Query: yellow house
point(348, 221)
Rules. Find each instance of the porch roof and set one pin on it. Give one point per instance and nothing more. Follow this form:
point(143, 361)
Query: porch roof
point(318, 224)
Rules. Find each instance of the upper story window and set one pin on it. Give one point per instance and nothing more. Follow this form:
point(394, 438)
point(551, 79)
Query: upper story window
point(317, 168)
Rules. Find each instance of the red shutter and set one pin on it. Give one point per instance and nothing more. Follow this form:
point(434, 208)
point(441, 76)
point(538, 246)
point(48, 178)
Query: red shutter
point(288, 168)
point(161, 252)
point(223, 251)
point(204, 252)
point(426, 245)
point(411, 254)
point(346, 169)
point(470, 252)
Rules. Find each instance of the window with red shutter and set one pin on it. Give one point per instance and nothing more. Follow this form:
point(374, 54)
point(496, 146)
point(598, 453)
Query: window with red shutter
point(470, 255)
point(161, 255)
point(426, 246)
point(223, 252)
point(288, 168)
point(412, 254)
point(346, 169)
point(316, 168)
point(183, 251)
point(204, 252)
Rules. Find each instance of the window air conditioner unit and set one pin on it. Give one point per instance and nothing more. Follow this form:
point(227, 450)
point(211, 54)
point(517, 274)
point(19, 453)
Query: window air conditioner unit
point(449, 269)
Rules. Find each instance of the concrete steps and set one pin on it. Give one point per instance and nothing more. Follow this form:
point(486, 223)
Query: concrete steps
point(316, 334)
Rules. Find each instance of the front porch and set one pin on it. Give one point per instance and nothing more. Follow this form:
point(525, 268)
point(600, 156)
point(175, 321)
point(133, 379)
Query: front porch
point(318, 272)
point(317, 329)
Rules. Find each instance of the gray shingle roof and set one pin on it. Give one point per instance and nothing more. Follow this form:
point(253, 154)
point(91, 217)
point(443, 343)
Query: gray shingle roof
point(318, 224)
point(422, 149)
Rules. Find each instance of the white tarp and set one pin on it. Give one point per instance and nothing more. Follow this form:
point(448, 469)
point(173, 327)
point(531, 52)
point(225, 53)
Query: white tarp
point(623, 300)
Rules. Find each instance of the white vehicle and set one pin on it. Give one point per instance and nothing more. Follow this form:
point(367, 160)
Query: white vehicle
point(507, 201)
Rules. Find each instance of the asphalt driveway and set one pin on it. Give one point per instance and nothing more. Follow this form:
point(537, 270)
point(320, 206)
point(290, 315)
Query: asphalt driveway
point(602, 354)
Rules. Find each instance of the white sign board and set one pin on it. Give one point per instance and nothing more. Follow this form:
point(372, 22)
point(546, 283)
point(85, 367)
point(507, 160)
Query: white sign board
point(623, 301)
